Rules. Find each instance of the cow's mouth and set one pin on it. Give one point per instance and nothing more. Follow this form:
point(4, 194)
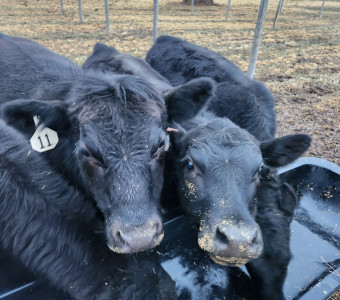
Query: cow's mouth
point(229, 261)
point(136, 242)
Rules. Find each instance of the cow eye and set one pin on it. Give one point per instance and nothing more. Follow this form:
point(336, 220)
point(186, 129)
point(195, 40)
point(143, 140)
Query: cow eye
point(94, 158)
point(164, 143)
point(84, 152)
point(260, 171)
point(189, 164)
point(161, 143)
point(257, 175)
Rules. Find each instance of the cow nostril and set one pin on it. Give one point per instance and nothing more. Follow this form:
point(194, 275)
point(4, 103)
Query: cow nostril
point(158, 225)
point(119, 237)
point(221, 237)
point(253, 240)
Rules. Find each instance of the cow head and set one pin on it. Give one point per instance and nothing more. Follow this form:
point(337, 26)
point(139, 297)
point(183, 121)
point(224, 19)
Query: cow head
point(218, 169)
point(111, 146)
point(109, 59)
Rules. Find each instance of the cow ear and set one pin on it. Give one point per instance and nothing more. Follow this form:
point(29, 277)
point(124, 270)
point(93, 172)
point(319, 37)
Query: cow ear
point(100, 56)
point(282, 151)
point(19, 114)
point(184, 101)
point(176, 133)
point(102, 48)
point(288, 199)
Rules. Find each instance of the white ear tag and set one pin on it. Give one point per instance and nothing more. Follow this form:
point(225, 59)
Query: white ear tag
point(44, 138)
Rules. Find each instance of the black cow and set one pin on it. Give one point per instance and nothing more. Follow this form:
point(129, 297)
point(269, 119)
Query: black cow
point(47, 225)
point(246, 102)
point(183, 61)
point(111, 138)
point(180, 61)
point(251, 106)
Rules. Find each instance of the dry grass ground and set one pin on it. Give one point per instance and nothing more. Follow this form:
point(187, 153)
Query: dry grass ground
point(299, 61)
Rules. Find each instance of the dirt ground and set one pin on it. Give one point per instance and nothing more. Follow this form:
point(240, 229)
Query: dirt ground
point(299, 61)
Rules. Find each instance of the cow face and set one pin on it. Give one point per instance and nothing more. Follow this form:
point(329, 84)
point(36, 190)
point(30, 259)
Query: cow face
point(219, 175)
point(112, 147)
point(218, 167)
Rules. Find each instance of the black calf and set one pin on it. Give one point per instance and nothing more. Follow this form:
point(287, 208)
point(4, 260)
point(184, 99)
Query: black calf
point(111, 137)
point(248, 103)
point(180, 61)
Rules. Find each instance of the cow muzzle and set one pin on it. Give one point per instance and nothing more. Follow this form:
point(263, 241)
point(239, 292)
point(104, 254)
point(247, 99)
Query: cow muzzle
point(231, 244)
point(127, 238)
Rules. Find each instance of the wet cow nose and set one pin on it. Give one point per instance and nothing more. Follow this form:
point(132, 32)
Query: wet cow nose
point(240, 241)
point(129, 238)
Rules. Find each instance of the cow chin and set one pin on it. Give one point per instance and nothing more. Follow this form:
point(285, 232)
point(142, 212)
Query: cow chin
point(229, 261)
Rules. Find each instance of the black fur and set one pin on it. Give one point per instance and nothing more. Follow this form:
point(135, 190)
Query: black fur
point(276, 202)
point(180, 61)
point(251, 108)
point(145, 279)
point(45, 223)
point(246, 102)
point(109, 59)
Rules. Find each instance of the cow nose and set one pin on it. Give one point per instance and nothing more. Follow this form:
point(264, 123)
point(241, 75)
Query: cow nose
point(131, 239)
point(234, 241)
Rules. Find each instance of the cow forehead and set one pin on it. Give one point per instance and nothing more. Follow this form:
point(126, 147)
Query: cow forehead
point(221, 131)
point(107, 108)
point(112, 126)
point(226, 146)
point(241, 155)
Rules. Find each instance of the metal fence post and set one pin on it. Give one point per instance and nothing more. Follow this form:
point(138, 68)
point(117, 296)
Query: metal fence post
point(107, 27)
point(80, 10)
point(257, 38)
point(155, 20)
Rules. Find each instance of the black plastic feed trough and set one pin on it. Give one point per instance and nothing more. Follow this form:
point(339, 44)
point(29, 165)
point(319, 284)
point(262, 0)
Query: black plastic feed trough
point(313, 273)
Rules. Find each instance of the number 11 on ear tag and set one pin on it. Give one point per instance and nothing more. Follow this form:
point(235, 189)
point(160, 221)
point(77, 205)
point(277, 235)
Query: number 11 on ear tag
point(44, 138)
